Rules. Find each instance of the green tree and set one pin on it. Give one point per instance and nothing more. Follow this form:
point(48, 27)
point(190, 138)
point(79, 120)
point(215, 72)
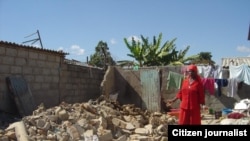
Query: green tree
point(136, 50)
point(151, 54)
point(168, 52)
point(157, 54)
point(102, 57)
point(181, 58)
point(204, 58)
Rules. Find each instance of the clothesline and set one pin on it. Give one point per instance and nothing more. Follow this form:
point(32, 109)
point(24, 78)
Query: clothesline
point(213, 78)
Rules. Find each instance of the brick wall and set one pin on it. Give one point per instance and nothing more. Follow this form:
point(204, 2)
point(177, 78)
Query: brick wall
point(50, 79)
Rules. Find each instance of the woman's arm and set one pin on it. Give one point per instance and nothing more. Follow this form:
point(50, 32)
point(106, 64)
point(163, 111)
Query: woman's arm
point(172, 100)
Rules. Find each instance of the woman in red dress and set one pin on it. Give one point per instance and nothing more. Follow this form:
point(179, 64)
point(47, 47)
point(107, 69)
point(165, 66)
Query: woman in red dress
point(192, 97)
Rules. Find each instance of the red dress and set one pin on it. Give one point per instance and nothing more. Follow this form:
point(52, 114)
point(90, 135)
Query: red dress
point(191, 96)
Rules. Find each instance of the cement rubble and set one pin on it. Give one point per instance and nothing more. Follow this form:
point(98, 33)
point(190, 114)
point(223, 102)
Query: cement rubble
point(99, 120)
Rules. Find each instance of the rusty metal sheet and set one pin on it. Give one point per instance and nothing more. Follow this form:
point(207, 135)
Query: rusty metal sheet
point(150, 81)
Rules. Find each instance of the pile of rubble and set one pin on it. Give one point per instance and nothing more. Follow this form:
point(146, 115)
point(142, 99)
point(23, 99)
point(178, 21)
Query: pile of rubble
point(95, 120)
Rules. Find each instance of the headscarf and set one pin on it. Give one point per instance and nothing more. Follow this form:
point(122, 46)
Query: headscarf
point(194, 68)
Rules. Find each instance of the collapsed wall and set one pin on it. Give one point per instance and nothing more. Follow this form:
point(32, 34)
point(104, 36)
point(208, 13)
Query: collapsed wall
point(102, 119)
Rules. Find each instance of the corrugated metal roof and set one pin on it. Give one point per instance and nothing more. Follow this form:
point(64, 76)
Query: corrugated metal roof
point(32, 47)
point(236, 61)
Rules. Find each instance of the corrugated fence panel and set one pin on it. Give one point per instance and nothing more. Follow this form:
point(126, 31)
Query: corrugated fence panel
point(150, 81)
point(22, 95)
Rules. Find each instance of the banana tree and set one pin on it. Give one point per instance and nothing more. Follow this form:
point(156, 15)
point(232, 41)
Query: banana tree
point(181, 58)
point(136, 50)
point(151, 54)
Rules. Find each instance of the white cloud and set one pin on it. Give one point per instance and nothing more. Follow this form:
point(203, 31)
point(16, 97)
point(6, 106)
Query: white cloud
point(73, 50)
point(136, 38)
point(243, 49)
point(76, 50)
point(60, 48)
point(113, 41)
point(37, 45)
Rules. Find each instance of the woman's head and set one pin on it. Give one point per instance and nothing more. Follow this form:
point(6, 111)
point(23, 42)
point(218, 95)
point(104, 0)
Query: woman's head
point(192, 70)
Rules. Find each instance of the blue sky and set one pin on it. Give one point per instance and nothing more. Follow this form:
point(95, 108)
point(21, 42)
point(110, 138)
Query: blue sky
point(76, 26)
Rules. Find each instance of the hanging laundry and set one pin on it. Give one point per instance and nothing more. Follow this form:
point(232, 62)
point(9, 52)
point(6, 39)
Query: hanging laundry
point(208, 84)
point(218, 72)
point(200, 71)
point(174, 80)
point(208, 71)
point(232, 87)
point(241, 73)
point(221, 83)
